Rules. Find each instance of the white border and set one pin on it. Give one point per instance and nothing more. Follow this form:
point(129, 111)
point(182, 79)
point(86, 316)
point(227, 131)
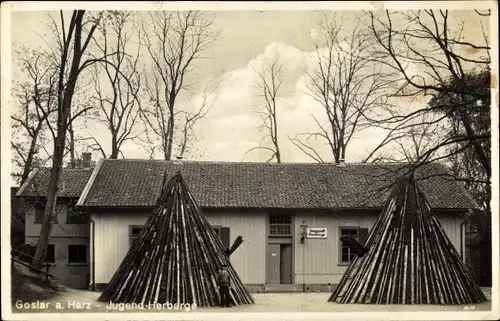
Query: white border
point(249, 5)
point(8, 7)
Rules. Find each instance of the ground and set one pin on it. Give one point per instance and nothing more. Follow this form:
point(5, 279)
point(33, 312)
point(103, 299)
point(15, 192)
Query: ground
point(27, 285)
point(264, 302)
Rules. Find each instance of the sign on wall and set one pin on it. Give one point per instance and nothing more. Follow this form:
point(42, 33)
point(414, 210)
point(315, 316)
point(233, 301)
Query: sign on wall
point(316, 233)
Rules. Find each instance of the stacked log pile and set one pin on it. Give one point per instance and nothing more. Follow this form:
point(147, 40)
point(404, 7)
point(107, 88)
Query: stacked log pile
point(409, 259)
point(176, 257)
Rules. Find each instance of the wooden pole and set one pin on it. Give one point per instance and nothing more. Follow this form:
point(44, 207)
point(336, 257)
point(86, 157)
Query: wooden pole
point(176, 257)
point(410, 259)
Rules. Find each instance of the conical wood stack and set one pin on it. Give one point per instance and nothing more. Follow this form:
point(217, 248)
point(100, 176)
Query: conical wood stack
point(410, 259)
point(176, 257)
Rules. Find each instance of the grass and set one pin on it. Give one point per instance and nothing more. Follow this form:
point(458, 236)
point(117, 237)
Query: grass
point(29, 287)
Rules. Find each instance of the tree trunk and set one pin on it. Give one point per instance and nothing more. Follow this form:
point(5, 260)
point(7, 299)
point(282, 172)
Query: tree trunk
point(275, 133)
point(64, 110)
point(336, 155)
point(28, 165)
point(72, 145)
point(170, 138)
point(278, 154)
point(171, 124)
point(166, 154)
point(483, 159)
point(114, 147)
point(50, 205)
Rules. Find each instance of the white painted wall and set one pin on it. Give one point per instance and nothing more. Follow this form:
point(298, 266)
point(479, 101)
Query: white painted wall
point(315, 262)
point(112, 242)
point(59, 229)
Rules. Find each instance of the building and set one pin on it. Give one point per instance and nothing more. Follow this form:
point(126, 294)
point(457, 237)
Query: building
point(17, 216)
point(290, 215)
point(67, 253)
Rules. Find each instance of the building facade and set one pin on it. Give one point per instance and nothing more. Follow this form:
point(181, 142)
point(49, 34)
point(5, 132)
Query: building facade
point(68, 250)
point(273, 256)
point(67, 253)
point(290, 216)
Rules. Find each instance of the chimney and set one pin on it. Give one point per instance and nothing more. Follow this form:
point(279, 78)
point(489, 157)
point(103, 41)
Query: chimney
point(178, 160)
point(86, 160)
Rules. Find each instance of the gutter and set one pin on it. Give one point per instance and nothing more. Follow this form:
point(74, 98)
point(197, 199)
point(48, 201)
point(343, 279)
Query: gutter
point(92, 267)
point(462, 239)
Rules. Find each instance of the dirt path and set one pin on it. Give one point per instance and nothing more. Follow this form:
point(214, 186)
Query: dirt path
point(86, 301)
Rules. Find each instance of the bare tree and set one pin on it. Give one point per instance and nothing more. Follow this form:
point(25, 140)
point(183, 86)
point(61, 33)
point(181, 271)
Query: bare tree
point(462, 155)
point(71, 63)
point(454, 72)
point(37, 101)
point(432, 42)
point(191, 118)
point(269, 83)
point(175, 42)
point(186, 120)
point(86, 111)
point(117, 98)
point(347, 83)
point(34, 123)
point(413, 144)
point(81, 101)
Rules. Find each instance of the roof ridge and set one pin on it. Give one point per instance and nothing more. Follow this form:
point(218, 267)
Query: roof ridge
point(68, 169)
point(252, 163)
point(113, 183)
point(71, 182)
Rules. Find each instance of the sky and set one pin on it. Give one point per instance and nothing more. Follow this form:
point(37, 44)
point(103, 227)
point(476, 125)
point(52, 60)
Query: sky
point(230, 128)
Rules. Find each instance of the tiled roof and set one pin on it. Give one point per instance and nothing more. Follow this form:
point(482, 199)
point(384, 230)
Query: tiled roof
point(137, 183)
point(72, 183)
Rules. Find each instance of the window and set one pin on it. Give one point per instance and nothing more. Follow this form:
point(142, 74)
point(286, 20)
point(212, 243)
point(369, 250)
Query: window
point(134, 234)
point(77, 254)
point(223, 233)
point(38, 216)
point(39, 207)
point(75, 216)
point(346, 255)
point(39, 211)
point(50, 256)
point(280, 225)
point(471, 228)
point(217, 229)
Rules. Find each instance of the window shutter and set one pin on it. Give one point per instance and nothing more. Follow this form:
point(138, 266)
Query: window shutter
point(224, 236)
point(39, 211)
point(363, 234)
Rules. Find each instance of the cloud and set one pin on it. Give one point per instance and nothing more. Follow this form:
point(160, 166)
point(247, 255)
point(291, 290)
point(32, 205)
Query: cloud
point(231, 127)
point(296, 109)
point(237, 93)
point(233, 122)
point(314, 33)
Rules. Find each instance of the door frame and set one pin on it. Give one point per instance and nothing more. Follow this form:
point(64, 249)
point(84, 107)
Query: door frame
point(290, 240)
point(288, 261)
